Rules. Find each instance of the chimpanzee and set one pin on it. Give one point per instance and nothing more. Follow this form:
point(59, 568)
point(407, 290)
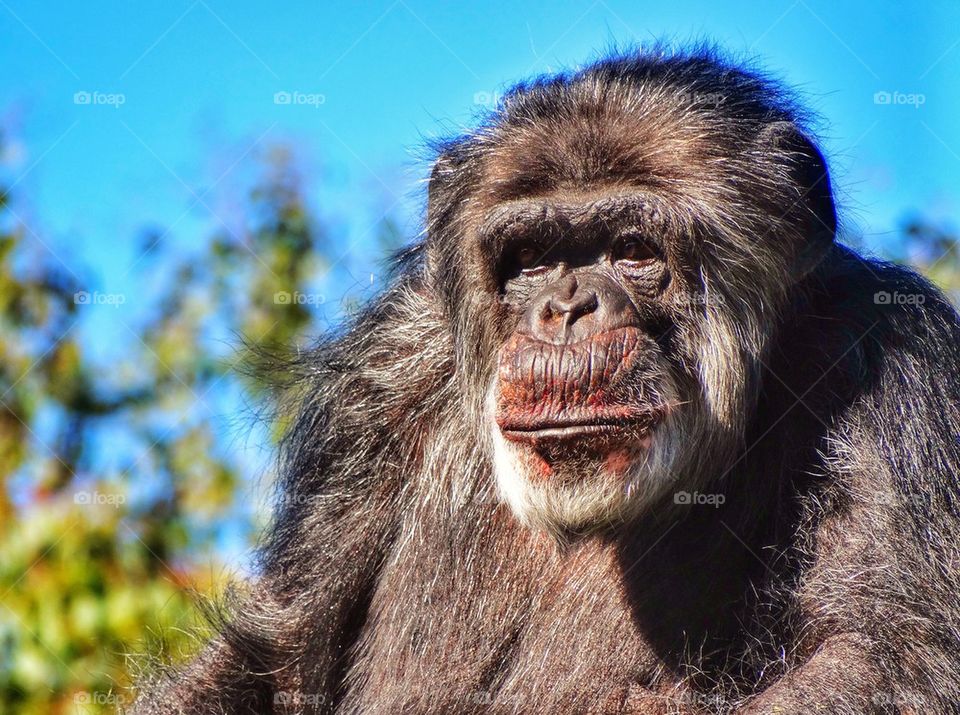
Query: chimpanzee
point(629, 432)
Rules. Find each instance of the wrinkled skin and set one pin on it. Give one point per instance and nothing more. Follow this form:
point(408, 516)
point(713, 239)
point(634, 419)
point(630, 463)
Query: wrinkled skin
point(629, 433)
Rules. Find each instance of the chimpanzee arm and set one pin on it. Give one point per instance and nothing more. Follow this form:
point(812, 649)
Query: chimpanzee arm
point(880, 591)
point(285, 645)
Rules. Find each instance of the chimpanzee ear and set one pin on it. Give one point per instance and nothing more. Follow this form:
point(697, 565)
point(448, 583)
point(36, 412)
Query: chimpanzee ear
point(811, 199)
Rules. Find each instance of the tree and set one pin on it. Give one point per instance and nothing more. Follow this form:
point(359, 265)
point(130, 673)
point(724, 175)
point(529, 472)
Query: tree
point(100, 561)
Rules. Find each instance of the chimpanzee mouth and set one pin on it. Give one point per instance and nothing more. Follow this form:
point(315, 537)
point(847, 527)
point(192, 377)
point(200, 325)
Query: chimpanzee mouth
point(636, 427)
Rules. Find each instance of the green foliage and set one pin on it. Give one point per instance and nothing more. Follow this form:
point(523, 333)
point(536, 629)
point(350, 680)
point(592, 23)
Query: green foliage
point(100, 561)
point(933, 251)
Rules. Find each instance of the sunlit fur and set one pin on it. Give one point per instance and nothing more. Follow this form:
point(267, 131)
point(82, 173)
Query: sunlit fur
point(395, 578)
point(584, 494)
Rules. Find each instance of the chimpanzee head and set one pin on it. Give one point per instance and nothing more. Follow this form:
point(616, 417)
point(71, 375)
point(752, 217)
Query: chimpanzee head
point(614, 248)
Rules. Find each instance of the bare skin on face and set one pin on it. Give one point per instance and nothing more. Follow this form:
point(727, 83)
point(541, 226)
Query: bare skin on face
point(570, 461)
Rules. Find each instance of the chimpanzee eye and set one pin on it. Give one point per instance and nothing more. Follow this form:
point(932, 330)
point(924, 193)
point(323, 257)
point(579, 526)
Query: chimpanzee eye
point(634, 250)
point(527, 257)
point(530, 260)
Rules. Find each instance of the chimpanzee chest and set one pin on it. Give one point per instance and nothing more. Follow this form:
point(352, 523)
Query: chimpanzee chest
point(516, 625)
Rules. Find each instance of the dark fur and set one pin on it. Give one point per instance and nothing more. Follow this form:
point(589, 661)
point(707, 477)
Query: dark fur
point(393, 580)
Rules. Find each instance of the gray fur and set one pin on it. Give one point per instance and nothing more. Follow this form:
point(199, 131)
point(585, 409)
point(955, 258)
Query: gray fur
point(393, 578)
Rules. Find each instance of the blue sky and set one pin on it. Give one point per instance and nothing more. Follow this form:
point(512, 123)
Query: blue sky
point(198, 80)
point(122, 117)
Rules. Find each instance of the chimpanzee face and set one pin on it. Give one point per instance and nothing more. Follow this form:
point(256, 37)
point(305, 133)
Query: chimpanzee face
point(618, 271)
point(586, 395)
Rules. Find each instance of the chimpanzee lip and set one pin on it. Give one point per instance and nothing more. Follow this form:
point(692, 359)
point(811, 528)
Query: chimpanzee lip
point(533, 373)
point(562, 432)
point(535, 430)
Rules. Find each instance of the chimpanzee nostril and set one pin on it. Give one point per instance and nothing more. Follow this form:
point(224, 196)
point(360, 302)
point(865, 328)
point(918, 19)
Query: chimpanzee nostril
point(579, 304)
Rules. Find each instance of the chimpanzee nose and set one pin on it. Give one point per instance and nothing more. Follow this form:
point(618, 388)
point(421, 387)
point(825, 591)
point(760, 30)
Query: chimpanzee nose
point(576, 307)
point(570, 301)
